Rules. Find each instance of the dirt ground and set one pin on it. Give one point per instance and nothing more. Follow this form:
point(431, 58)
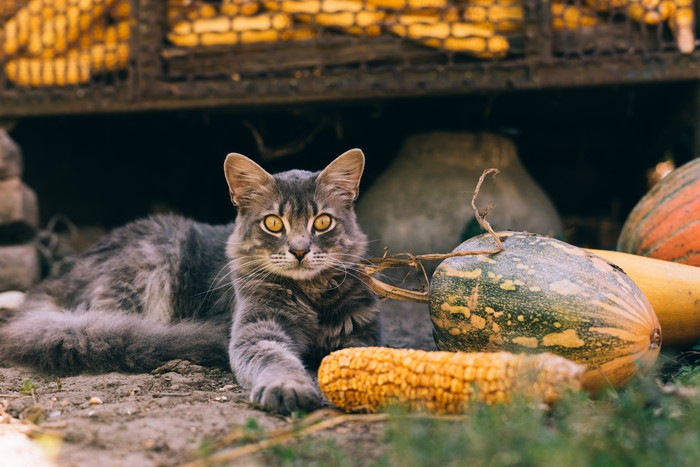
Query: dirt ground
point(176, 413)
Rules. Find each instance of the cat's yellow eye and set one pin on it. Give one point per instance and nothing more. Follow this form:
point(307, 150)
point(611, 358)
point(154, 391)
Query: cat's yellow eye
point(323, 222)
point(273, 223)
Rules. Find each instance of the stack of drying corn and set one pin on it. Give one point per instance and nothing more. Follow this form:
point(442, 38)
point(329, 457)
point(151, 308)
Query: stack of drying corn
point(475, 27)
point(65, 42)
point(435, 23)
point(679, 15)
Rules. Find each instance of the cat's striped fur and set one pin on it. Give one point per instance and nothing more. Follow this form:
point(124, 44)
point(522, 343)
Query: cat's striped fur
point(268, 303)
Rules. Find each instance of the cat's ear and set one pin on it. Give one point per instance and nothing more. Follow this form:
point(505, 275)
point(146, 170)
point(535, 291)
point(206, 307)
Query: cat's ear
point(246, 179)
point(341, 179)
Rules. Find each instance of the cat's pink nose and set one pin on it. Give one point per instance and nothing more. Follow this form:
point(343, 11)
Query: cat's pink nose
point(298, 253)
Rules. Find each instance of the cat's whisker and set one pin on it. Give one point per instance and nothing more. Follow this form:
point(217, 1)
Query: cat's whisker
point(357, 259)
point(223, 268)
point(251, 276)
point(258, 275)
point(358, 274)
point(221, 281)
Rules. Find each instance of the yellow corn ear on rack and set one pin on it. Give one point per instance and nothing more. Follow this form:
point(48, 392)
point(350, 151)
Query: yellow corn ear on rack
point(449, 13)
point(226, 30)
point(373, 378)
point(505, 18)
point(38, 72)
point(10, 7)
point(487, 48)
point(404, 5)
point(191, 10)
point(121, 9)
point(492, 2)
point(477, 40)
point(351, 16)
point(119, 32)
point(606, 5)
point(417, 17)
point(76, 67)
point(66, 42)
point(240, 7)
point(571, 17)
point(682, 23)
point(48, 28)
point(224, 23)
point(442, 30)
point(243, 37)
point(650, 12)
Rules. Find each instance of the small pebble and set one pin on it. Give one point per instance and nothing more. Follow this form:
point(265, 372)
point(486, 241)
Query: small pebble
point(95, 401)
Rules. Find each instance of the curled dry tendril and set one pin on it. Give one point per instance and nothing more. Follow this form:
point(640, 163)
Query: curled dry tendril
point(399, 260)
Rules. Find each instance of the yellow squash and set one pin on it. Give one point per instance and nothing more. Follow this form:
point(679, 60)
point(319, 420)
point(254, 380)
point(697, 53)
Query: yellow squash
point(673, 289)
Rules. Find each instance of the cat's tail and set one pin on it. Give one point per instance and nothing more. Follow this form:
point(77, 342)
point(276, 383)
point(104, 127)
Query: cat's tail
point(67, 342)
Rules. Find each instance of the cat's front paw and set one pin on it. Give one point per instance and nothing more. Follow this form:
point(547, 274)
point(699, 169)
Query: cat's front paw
point(285, 393)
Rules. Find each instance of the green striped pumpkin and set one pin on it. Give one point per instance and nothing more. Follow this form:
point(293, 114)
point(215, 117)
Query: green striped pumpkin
point(543, 295)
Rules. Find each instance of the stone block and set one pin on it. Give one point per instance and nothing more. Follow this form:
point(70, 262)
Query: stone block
point(19, 267)
point(19, 211)
point(10, 157)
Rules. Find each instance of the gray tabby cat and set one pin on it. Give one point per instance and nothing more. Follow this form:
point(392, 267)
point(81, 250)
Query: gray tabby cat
point(269, 295)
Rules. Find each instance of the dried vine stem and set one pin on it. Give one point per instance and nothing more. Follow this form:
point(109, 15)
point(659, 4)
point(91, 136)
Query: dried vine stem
point(315, 422)
point(398, 260)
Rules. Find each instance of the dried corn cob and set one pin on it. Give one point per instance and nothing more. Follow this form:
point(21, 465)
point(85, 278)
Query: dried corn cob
point(650, 12)
point(120, 10)
point(242, 37)
point(606, 5)
point(570, 17)
point(76, 67)
point(240, 7)
point(682, 23)
point(191, 10)
point(478, 40)
point(38, 72)
point(441, 30)
point(487, 48)
point(27, 20)
point(276, 28)
point(223, 23)
point(352, 16)
point(420, 17)
point(371, 378)
point(10, 7)
point(47, 29)
point(100, 33)
point(504, 18)
point(446, 14)
point(494, 2)
point(403, 5)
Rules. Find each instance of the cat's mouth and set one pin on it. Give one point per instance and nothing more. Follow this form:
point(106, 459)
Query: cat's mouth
point(305, 269)
point(299, 270)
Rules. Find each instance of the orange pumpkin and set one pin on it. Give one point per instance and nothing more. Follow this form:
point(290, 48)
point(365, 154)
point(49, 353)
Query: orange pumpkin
point(665, 223)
